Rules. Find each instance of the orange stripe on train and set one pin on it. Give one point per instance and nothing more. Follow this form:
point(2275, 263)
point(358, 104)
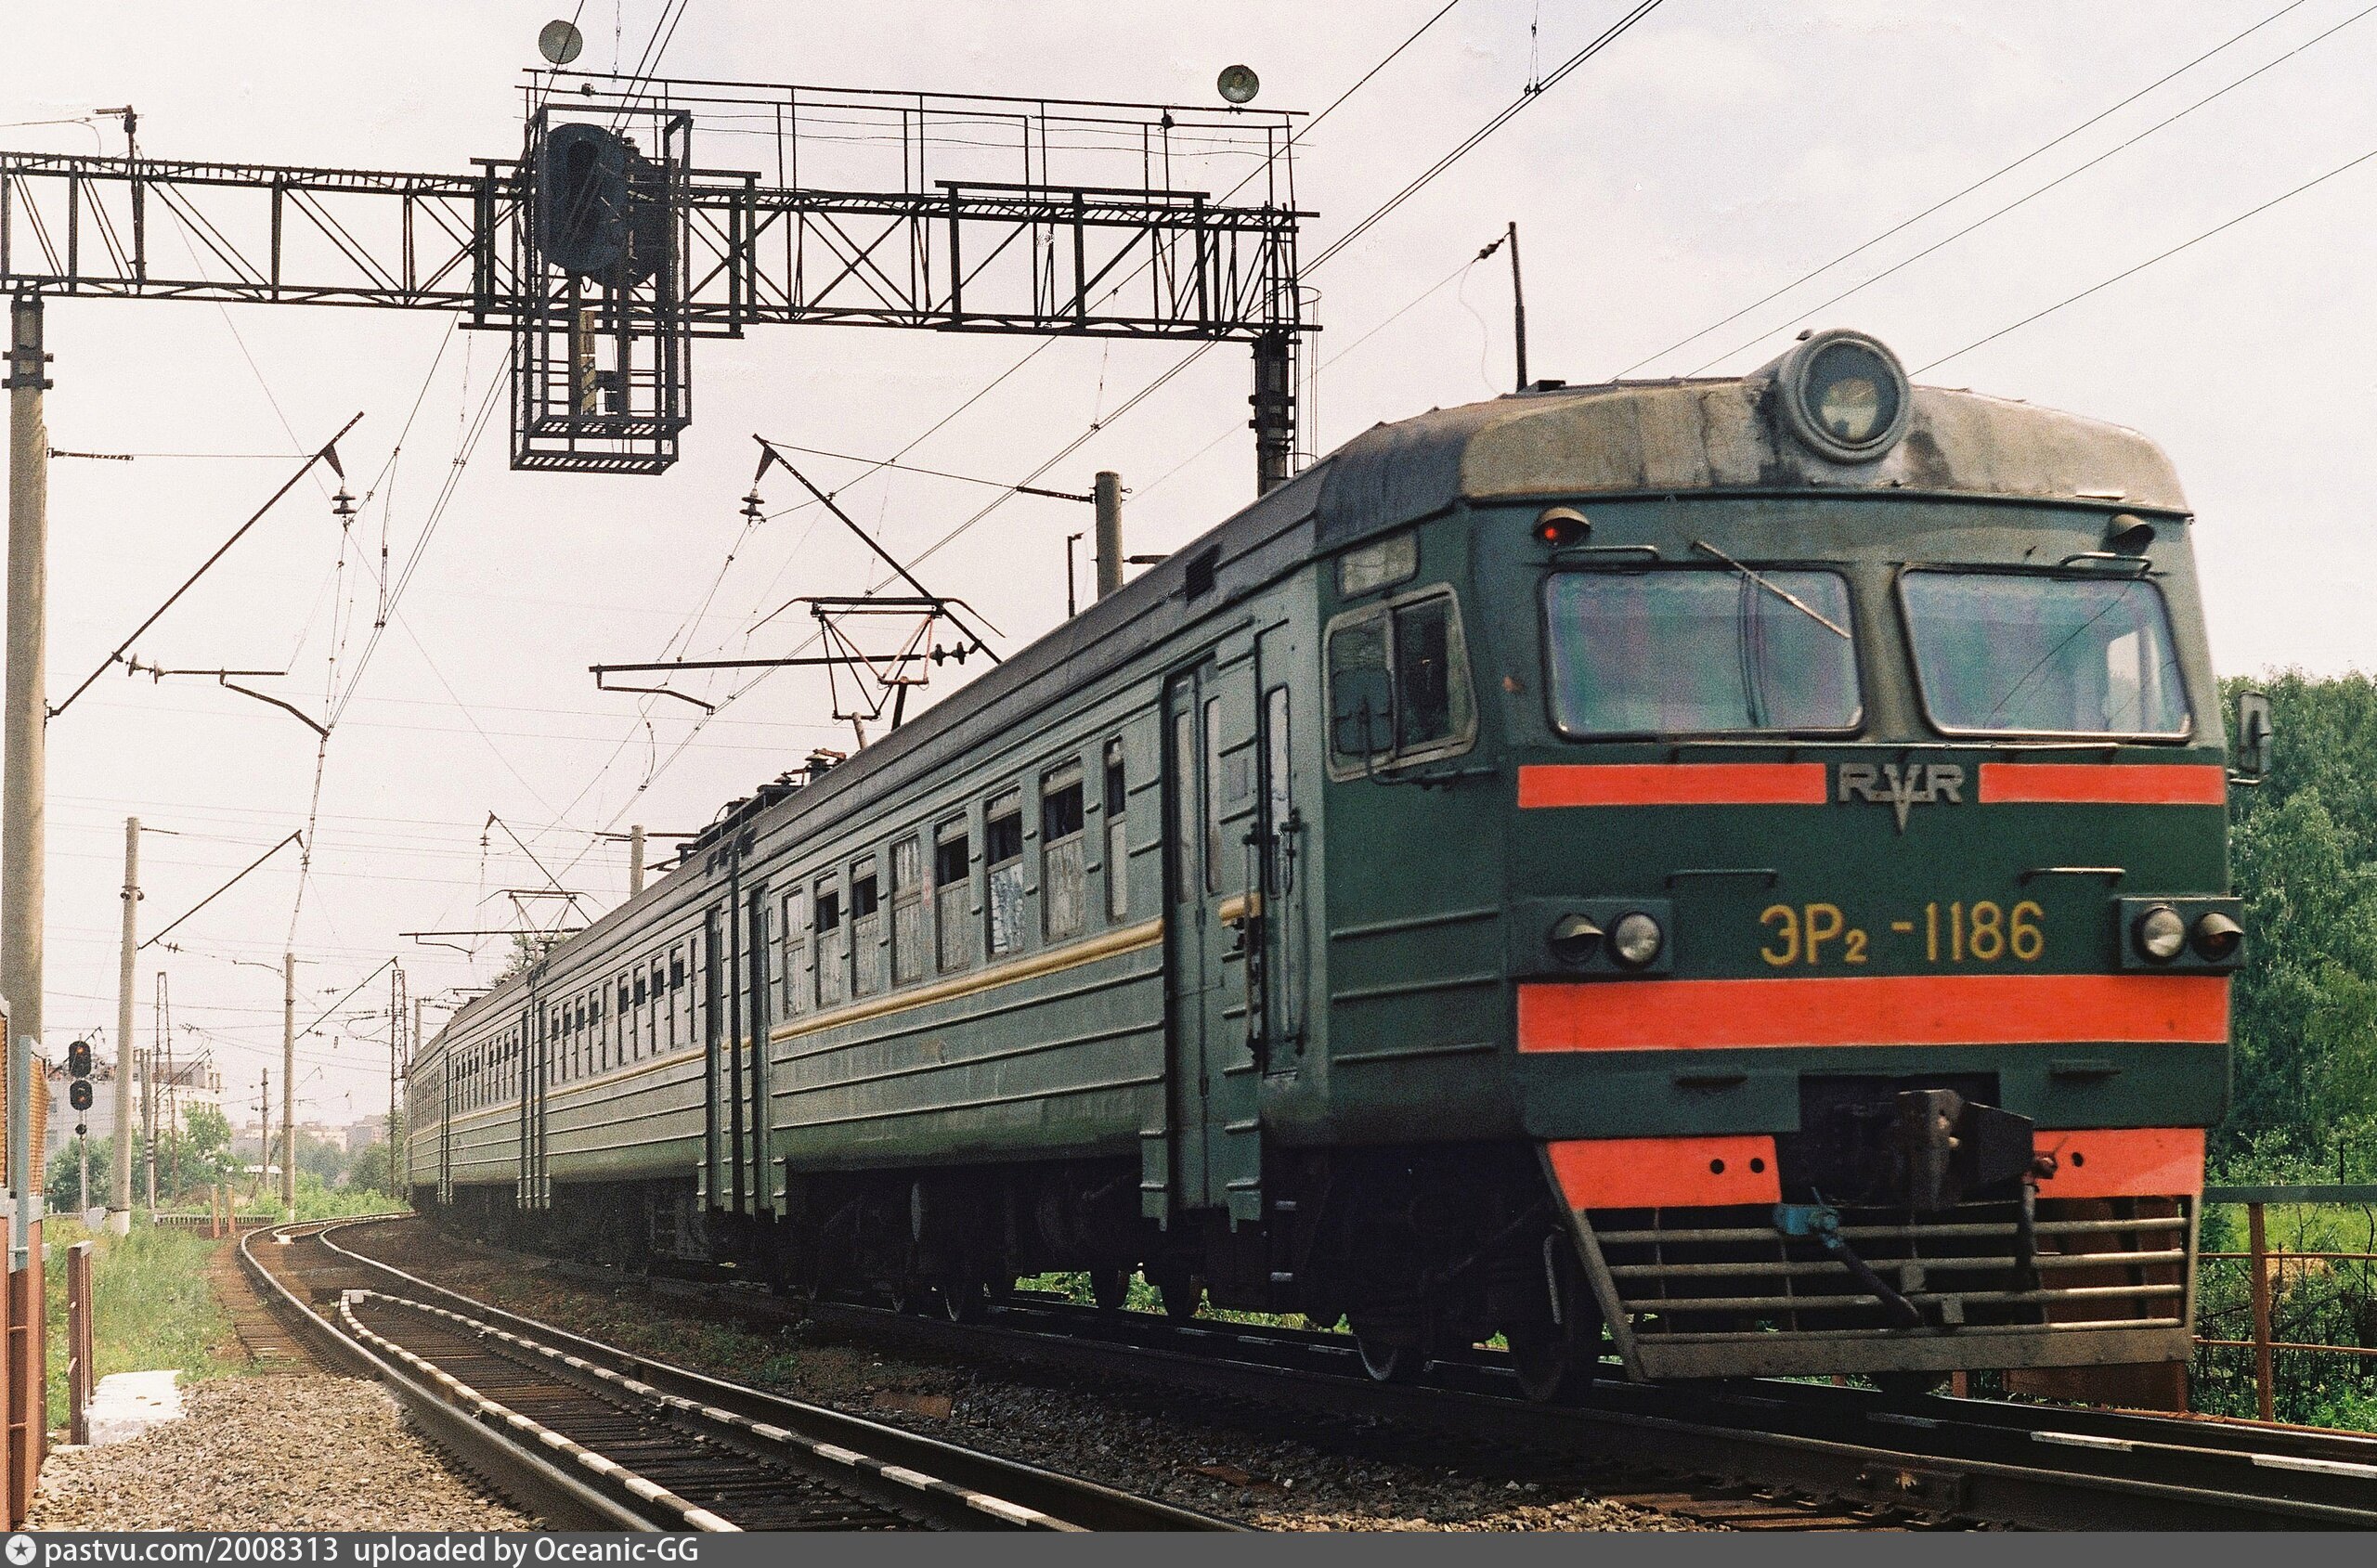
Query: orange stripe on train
point(1873, 1010)
point(1740, 1168)
point(1659, 1172)
point(1805, 784)
point(1672, 784)
point(2103, 783)
point(2123, 1161)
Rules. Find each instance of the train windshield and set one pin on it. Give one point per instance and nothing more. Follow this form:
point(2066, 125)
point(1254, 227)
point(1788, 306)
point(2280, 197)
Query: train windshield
point(1701, 651)
point(2005, 653)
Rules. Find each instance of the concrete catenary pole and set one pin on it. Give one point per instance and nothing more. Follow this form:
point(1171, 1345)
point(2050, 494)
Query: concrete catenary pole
point(119, 1188)
point(401, 1148)
point(289, 1081)
point(264, 1134)
point(1107, 492)
point(635, 859)
point(23, 756)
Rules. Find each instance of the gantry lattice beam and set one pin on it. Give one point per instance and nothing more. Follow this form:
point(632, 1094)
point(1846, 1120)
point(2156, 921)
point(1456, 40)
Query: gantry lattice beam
point(970, 257)
point(942, 241)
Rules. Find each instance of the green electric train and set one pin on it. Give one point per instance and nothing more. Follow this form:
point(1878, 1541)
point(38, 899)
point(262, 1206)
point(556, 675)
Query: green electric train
point(1727, 877)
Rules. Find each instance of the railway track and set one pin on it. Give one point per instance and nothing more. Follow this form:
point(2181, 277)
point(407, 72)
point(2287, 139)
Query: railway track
point(587, 1436)
point(1764, 1454)
point(1846, 1452)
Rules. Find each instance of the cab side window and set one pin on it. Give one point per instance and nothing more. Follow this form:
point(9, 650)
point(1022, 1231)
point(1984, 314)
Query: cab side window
point(1398, 683)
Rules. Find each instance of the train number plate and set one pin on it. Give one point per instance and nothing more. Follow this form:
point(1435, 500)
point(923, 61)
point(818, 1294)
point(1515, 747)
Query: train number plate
point(1984, 932)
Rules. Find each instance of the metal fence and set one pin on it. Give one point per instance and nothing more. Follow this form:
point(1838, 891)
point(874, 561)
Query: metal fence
point(2287, 1333)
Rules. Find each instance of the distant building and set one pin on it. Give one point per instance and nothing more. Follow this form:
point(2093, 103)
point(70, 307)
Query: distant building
point(362, 1135)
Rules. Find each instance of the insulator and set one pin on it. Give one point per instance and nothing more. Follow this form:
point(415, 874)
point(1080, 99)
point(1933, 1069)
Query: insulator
point(752, 507)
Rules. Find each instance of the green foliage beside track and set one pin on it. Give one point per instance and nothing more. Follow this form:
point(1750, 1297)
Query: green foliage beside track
point(2305, 857)
point(2304, 1103)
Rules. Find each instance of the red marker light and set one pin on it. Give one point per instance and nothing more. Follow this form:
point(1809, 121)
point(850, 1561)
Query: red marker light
point(1561, 526)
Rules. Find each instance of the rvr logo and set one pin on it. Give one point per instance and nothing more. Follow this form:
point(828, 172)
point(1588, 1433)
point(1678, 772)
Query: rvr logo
point(1901, 785)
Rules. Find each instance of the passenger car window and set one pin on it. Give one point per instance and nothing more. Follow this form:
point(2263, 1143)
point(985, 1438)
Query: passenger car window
point(1118, 868)
point(866, 931)
point(1003, 849)
point(907, 911)
point(951, 893)
point(1064, 894)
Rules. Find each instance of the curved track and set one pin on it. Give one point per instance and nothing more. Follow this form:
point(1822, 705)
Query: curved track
point(589, 1436)
point(1936, 1461)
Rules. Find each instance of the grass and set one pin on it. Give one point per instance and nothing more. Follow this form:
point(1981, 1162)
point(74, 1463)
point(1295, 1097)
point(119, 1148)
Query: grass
point(153, 1306)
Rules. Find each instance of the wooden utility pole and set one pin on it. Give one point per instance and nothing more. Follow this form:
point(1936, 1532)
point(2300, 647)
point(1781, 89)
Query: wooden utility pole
point(120, 1192)
point(289, 1082)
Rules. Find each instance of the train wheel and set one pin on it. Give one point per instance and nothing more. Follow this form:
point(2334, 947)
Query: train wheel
point(1182, 1292)
point(1556, 1361)
point(1383, 1360)
point(1550, 1363)
point(962, 1301)
point(1109, 1287)
point(1386, 1363)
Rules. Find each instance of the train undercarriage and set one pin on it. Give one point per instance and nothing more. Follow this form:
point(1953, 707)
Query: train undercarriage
point(1916, 1243)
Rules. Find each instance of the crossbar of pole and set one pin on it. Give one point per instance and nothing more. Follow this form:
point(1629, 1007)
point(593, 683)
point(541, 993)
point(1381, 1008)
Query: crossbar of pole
point(329, 452)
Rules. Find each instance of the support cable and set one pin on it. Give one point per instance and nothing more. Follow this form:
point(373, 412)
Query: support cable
point(1991, 178)
point(328, 453)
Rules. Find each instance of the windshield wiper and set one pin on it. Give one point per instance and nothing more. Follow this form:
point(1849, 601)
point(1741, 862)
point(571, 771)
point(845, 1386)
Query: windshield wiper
point(1775, 588)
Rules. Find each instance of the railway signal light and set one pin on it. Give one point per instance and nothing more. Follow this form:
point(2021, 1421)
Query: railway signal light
point(78, 1059)
point(599, 212)
point(78, 1094)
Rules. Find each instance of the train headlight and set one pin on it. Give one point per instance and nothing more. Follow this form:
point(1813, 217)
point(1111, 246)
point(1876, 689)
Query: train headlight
point(2160, 934)
point(2217, 937)
point(1844, 394)
point(1635, 941)
point(1574, 939)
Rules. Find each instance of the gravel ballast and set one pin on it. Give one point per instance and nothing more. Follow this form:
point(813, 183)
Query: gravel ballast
point(1138, 1441)
point(286, 1451)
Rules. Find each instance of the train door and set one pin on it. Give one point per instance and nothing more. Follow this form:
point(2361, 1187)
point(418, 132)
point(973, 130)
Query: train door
point(1210, 767)
point(757, 1016)
point(715, 974)
point(1277, 850)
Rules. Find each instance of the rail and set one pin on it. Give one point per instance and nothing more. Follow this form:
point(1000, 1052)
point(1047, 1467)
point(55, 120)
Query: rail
point(787, 1464)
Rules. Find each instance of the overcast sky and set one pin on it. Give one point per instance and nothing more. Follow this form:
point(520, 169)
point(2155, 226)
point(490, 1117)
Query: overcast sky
point(1713, 155)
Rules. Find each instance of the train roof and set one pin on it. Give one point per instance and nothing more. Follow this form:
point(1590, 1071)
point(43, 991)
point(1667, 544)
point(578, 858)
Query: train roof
point(1649, 438)
point(1668, 437)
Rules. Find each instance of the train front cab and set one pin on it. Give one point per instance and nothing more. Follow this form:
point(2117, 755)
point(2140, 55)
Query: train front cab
point(1868, 887)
